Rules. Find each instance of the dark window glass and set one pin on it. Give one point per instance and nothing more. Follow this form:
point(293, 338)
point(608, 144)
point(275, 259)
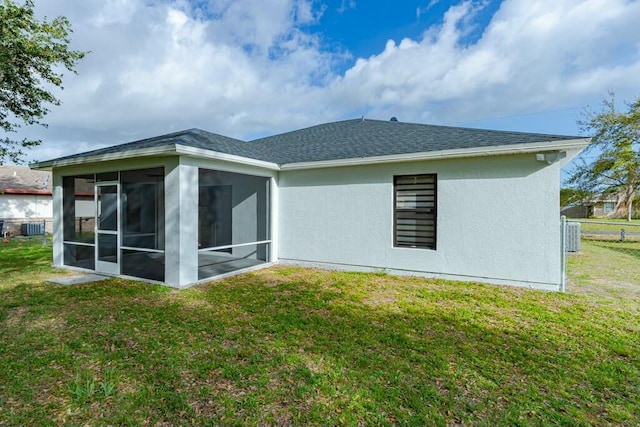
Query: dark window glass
point(415, 211)
point(78, 208)
point(107, 247)
point(214, 263)
point(79, 256)
point(147, 265)
point(107, 176)
point(143, 208)
point(108, 207)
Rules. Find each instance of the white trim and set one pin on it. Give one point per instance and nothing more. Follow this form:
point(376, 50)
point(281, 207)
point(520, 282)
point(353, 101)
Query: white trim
point(65, 242)
point(100, 266)
point(232, 158)
point(97, 158)
point(217, 248)
point(130, 248)
point(170, 149)
point(444, 154)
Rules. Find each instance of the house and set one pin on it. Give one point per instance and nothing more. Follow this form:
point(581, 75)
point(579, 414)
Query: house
point(25, 197)
point(361, 195)
point(603, 205)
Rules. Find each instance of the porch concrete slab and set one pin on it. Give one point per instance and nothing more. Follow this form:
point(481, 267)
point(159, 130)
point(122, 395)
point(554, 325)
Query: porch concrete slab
point(76, 280)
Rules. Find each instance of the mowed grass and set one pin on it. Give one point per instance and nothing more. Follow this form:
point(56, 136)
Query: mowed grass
point(292, 346)
point(606, 269)
point(612, 225)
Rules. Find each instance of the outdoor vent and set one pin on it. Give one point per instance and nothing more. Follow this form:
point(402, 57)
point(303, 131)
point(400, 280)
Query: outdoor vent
point(572, 241)
point(32, 229)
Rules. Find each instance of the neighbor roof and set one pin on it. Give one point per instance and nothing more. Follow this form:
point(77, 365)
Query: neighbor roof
point(22, 180)
point(349, 139)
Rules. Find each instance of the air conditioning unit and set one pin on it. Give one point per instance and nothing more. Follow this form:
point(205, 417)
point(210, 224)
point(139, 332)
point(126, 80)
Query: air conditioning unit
point(572, 239)
point(32, 229)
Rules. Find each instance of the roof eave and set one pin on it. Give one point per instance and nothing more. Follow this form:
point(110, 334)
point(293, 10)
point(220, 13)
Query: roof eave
point(26, 192)
point(164, 150)
point(176, 149)
point(543, 146)
point(232, 158)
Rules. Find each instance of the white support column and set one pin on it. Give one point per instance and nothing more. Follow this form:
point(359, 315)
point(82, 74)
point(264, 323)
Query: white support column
point(181, 223)
point(274, 220)
point(58, 212)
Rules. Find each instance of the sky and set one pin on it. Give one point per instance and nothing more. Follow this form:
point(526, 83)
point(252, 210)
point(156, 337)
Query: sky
point(252, 68)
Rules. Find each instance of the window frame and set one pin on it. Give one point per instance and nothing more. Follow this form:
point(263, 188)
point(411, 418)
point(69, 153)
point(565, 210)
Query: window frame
point(611, 209)
point(433, 210)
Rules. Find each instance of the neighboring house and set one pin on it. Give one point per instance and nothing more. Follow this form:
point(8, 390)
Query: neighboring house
point(602, 206)
point(361, 195)
point(611, 206)
point(25, 196)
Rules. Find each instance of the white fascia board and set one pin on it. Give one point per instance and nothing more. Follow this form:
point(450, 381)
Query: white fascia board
point(171, 149)
point(215, 155)
point(142, 152)
point(175, 149)
point(446, 154)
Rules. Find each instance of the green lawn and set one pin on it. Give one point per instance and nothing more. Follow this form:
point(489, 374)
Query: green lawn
point(291, 346)
point(612, 225)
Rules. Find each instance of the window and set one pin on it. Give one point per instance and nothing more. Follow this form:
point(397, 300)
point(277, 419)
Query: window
point(415, 213)
point(609, 207)
point(233, 222)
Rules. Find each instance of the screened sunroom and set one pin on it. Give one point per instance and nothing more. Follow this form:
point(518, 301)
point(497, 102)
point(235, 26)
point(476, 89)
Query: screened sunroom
point(175, 222)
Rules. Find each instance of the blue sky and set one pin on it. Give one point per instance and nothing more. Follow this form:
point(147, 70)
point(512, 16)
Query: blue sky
point(248, 68)
point(363, 27)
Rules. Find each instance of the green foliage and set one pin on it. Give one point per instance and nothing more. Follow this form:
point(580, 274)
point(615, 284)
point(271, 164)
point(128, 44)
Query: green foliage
point(572, 196)
point(614, 148)
point(31, 54)
point(85, 387)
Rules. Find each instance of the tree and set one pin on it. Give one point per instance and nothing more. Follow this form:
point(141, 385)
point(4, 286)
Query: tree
point(32, 53)
point(615, 150)
point(572, 197)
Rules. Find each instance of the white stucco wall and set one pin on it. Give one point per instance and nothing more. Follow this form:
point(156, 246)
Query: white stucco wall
point(498, 220)
point(25, 206)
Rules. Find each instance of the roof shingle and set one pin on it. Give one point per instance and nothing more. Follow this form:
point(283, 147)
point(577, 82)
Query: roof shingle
point(348, 139)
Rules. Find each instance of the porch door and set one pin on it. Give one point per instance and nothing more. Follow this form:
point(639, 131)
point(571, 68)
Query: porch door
point(107, 226)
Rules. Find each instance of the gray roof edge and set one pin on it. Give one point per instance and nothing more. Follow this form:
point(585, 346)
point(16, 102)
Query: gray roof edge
point(126, 145)
point(543, 146)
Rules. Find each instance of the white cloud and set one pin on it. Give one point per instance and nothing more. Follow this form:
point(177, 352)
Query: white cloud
point(421, 10)
point(534, 55)
point(346, 5)
point(248, 67)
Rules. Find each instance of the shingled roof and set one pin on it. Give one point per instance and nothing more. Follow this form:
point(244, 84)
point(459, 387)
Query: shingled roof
point(361, 138)
point(195, 138)
point(349, 139)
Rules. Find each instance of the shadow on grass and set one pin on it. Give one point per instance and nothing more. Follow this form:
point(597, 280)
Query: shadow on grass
point(19, 259)
point(256, 350)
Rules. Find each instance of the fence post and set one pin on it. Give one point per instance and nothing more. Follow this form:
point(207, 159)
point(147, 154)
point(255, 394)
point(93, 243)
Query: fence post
point(44, 232)
point(563, 253)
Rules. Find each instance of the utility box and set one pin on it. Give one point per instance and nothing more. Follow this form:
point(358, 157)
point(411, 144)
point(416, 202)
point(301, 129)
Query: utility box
point(32, 229)
point(572, 241)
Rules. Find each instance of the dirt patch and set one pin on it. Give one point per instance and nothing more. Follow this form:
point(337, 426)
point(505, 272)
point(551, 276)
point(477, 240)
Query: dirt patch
point(15, 316)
